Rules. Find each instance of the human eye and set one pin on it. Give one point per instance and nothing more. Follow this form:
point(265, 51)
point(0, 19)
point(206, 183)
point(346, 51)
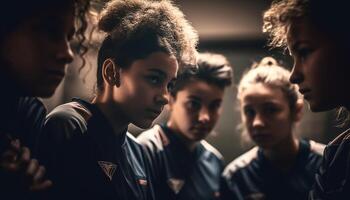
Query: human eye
point(154, 80)
point(304, 52)
point(216, 105)
point(171, 85)
point(193, 105)
point(271, 109)
point(249, 112)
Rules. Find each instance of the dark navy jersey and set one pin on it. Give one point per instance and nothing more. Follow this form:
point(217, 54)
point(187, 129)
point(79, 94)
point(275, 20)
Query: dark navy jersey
point(181, 174)
point(333, 178)
point(22, 118)
point(86, 160)
point(252, 176)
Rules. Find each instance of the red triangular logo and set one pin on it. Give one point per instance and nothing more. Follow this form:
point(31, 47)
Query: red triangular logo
point(108, 168)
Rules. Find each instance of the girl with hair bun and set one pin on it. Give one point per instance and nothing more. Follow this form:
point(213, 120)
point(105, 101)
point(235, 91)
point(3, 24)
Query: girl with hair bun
point(89, 153)
point(281, 166)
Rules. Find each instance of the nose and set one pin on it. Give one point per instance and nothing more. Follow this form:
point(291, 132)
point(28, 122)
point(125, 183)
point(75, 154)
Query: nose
point(65, 54)
point(203, 116)
point(296, 75)
point(258, 121)
point(163, 97)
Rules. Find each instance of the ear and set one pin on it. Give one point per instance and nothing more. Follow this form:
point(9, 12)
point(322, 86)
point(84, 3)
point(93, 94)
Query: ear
point(111, 73)
point(299, 110)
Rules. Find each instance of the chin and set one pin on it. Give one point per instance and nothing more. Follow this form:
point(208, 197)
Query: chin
point(320, 107)
point(144, 124)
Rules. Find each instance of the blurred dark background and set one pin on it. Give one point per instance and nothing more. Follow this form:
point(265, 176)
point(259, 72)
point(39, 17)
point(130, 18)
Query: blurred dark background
point(229, 27)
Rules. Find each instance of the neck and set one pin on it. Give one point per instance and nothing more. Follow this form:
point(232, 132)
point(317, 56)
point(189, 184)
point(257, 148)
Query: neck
point(283, 155)
point(113, 113)
point(188, 143)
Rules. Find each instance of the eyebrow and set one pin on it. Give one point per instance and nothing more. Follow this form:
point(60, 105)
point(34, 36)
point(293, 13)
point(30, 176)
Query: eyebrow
point(158, 71)
point(194, 97)
point(297, 44)
point(71, 33)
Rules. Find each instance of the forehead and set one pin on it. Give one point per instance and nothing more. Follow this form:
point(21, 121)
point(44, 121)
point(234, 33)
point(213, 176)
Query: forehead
point(159, 62)
point(303, 31)
point(261, 93)
point(201, 90)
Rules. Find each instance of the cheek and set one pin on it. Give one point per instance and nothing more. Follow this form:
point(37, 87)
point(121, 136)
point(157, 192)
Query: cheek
point(214, 117)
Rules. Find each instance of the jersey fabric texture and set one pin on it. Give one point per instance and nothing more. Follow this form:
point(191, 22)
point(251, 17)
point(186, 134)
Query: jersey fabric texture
point(87, 160)
point(253, 176)
point(181, 174)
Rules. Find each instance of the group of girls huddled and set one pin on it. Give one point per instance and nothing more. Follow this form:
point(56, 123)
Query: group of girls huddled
point(148, 60)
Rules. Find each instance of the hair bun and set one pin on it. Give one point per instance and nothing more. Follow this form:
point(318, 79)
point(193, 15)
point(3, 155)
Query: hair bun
point(109, 20)
point(268, 61)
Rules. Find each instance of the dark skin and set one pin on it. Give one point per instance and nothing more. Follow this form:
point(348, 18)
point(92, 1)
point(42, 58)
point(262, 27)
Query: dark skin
point(16, 162)
point(34, 54)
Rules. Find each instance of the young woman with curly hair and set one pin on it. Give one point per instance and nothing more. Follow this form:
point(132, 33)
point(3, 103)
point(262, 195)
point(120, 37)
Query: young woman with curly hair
point(89, 153)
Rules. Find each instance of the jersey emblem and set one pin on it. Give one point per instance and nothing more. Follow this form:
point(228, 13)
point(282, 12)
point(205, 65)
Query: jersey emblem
point(143, 182)
point(108, 168)
point(217, 194)
point(176, 184)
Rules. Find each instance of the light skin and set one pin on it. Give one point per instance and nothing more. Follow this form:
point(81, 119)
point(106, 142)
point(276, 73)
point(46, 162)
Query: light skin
point(138, 93)
point(195, 111)
point(320, 66)
point(269, 121)
point(36, 52)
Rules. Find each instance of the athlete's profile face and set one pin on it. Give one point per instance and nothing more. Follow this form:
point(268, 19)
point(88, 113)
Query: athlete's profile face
point(143, 90)
point(36, 52)
point(321, 64)
point(195, 110)
point(266, 115)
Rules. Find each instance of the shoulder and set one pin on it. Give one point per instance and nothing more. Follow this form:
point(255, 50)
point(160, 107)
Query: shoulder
point(345, 136)
point(154, 139)
point(68, 118)
point(133, 145)
point(212, 150)
point(31, 108)
point(241, 162)
point(316, 148)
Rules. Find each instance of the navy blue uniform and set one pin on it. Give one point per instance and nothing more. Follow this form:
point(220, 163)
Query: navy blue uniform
point(87, 160)
point(21, 117)
point(252, 176)
point(333, 178)
point(181, 174)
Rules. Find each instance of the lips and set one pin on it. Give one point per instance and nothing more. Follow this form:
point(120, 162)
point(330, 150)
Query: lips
point(201, 128)
point(305, 92)
point(261, 137)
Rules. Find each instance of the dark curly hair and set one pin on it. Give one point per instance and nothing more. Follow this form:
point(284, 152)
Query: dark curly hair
point(18, 11)
point(136, 28)
point(211, 68)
